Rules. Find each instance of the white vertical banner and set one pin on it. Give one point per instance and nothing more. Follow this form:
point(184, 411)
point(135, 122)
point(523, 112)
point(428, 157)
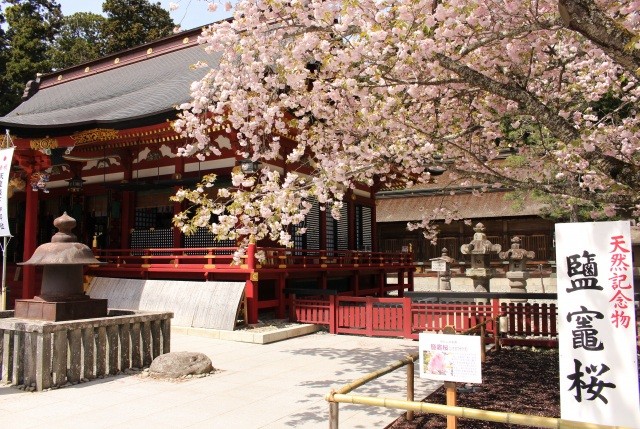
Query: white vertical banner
point(6, 155)
point(596, 324)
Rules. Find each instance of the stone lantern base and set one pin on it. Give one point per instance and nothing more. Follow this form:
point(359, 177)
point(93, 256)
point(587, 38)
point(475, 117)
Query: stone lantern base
point(57, 311)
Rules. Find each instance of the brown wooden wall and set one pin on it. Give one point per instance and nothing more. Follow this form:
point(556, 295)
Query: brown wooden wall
point(537, 234)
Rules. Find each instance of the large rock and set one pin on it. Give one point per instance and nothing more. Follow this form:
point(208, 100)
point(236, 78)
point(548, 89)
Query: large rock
point(180, 364)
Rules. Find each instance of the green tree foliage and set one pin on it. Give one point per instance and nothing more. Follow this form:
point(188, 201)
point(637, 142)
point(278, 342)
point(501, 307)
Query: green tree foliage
point(80, 40)
point(4, 51)
point(134, 22)
point(32, 26)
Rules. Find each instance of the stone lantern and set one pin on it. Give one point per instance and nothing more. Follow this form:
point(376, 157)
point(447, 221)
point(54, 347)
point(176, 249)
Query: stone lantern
point(480, 250)
point(444, 272)
point(517, 273)
point(62, 296)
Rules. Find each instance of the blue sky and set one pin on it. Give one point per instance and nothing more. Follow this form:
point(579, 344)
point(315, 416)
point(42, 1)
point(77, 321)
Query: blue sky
point(192, 13)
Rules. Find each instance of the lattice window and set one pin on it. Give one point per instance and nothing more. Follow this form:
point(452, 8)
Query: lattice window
point(311, 238)
point(363, 228)
point(343, 229)
point(156, 238)
point(338, 230)
point(203, 238)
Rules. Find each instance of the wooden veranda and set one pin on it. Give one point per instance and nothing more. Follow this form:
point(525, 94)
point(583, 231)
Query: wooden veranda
point(353, 273)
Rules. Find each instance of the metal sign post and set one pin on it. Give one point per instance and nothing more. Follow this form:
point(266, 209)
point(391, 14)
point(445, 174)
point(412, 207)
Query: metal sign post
point(3, 299)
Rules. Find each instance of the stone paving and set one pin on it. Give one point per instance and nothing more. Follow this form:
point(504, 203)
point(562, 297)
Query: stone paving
point(277, 385)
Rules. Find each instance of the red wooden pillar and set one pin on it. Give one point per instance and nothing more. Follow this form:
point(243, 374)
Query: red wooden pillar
point(30, 243)
point(128, 203)
point(355, 283)
point(281, 299)
point(128, 213)
point(410, 281)
point(401, 281)
point(251, 285)
point(177, 207)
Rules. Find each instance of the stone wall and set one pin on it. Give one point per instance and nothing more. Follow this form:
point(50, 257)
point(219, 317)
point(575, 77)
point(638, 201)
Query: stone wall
point(40, 354)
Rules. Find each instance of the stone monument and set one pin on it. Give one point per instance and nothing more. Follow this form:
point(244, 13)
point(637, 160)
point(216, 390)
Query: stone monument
point(480, 249)
point(517, 273)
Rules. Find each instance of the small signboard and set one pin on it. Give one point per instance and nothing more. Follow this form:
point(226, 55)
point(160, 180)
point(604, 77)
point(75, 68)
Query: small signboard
point(455, 358)
point(439, 265)
point(596, 324)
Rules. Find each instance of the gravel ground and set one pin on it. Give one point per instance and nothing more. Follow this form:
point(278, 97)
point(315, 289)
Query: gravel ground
point(515, 380)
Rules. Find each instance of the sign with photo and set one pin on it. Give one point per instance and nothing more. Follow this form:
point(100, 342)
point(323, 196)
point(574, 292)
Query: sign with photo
point(454, 358)
point(596, 324)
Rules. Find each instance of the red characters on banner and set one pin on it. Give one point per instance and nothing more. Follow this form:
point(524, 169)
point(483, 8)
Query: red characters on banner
point(619, 266)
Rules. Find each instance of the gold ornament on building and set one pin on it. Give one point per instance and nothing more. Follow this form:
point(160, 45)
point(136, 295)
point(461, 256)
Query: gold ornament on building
point(43, 144)
point(94, 135)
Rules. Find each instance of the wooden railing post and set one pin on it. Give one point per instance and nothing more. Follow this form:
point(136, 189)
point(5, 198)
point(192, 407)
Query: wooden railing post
point(407, 317)
point(333, 315)
point(410, 387)
point(333, 415)
point(369, 317)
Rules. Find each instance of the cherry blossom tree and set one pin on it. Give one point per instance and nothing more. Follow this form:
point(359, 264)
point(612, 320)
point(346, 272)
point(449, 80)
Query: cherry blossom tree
point(531, 95)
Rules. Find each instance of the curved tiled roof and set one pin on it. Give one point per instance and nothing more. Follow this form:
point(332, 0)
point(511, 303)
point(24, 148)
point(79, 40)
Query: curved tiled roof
point(408, 208)
point(135, 90)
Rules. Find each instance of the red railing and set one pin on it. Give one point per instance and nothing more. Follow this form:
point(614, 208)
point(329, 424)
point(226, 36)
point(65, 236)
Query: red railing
point(206, 259)
point(400, 317)
point(306, 258)
point(372, 316)
point(530, 319)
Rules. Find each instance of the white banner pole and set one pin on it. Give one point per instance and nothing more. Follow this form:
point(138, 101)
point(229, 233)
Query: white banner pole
point(4, 273)
point(5, 171)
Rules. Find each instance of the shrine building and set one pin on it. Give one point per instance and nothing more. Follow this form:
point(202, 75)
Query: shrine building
point(96, 141)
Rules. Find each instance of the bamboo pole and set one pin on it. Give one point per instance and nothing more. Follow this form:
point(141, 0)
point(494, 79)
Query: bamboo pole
point(468, 413)
point(376, 374)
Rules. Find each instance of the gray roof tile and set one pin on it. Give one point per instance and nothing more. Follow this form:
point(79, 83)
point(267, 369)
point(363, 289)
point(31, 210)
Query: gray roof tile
point(141, 89)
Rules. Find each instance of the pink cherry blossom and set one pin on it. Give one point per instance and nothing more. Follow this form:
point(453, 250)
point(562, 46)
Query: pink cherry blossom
point(532, 95)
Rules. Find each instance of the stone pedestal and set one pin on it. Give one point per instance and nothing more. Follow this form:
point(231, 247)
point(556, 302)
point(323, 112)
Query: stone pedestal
point(517, 283)
point(57, 311)
point(481, 281)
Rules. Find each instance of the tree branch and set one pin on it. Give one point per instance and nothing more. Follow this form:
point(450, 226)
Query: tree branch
point(586, 18)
